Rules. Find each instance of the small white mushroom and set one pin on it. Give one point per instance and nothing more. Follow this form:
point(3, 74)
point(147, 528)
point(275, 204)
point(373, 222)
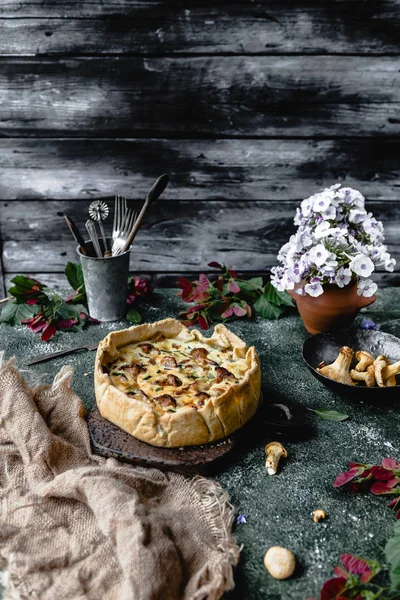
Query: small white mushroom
point(367, 376)
point(319, 515)
point(274, 452)
point(364, 360)
point(279, 562)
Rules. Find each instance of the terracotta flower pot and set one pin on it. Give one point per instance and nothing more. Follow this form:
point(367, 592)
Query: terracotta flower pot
point(336, 307)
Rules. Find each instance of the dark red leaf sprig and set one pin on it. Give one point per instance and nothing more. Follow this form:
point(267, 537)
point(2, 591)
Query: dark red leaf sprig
point(46, 312)
point(376, 479)
point(353, 580)
point(138, 288)
point(229, 297)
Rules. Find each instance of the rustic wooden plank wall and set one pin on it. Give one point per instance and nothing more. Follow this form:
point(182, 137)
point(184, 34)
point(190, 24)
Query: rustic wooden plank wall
point(250, 106)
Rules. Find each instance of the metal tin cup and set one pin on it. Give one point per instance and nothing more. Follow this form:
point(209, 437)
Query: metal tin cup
point(106, 283)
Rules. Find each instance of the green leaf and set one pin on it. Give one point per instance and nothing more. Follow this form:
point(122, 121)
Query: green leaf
point(329, 415)
point(278, 298)
point(25, 311)
point(8, 313)
point(74, 275)
point(251, 285)
point(267, 309)
point(133, 315)
point(67, 311)
point(392, 553)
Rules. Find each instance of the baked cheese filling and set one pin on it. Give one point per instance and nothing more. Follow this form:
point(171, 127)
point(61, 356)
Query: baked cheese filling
point(170, 373)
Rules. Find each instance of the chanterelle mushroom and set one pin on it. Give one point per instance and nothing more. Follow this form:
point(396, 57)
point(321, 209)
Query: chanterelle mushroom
point(340, 369)
point(274, 452)
point(280, 562)
point(385, 373)
point(364, 360)
point(367, 376)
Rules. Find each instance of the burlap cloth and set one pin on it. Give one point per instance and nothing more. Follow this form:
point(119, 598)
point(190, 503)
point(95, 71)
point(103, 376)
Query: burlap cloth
point(77, 526)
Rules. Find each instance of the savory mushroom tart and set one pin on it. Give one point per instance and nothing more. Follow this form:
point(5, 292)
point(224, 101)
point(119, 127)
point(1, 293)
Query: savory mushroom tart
point(172, 387)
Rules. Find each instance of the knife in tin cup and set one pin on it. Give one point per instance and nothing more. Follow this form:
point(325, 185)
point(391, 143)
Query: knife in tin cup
point(44, 357)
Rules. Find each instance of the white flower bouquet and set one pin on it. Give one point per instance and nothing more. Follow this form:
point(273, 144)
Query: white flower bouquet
point(337, 242)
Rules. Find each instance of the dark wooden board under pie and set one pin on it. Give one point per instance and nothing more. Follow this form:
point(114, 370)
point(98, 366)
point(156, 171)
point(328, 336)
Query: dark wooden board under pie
point(112, 442)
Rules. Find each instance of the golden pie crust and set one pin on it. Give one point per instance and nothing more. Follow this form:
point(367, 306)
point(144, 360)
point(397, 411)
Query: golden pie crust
point(217, 402)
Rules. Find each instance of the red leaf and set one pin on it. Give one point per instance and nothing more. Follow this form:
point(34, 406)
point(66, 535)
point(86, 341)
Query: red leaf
point(233, 287)
point(239, 311)
point(204, 282)
point(339, 572)
point(188, 323)
point(203, 322)
point(354, 565)
point(381, 473)
point(215, 265)
point(248, 310)
point(187, 287)
point(389, 463)
point(66, 323)
point(344, 478)
point(366, 576)
point(333, 588)
point(232, 273)
point(72, 296)
point(227, 313)
point(32, 301)
point(379, 487)
point(48, 332)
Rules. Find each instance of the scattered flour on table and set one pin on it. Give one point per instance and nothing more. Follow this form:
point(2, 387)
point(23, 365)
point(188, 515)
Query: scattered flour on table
point(370, 436)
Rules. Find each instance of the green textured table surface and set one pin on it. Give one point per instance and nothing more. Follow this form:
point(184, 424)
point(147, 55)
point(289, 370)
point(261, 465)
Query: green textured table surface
point(278, 508)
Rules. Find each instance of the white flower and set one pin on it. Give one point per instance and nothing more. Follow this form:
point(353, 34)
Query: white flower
point(314, 288)
point(388, 261)
point(295, 273)
point(329, 213)
point(319, 254)
point(362, 265)
point(321, 202)
point(306, 206)
point(357, 215)
point(288, 282)
point(321, 230)
point(343, 277)
point(373, 227)
point(366, 287)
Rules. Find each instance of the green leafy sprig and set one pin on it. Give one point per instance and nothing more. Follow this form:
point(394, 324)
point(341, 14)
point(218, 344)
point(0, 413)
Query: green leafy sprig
point(45, 312)
point(230, 297)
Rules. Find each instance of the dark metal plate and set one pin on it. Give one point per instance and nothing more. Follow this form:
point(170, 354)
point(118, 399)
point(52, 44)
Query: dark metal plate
point(326, 345)
point(112, 442)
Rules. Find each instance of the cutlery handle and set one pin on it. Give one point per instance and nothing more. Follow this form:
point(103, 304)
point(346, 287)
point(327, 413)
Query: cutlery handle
point(91, 229)
point(155, 192)
point(76, 233)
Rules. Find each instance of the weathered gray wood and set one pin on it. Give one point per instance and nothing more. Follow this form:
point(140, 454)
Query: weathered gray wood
point(199, 27)
point(199, 169)
point(246, 235)
point(252, 96)
point(2, 276)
